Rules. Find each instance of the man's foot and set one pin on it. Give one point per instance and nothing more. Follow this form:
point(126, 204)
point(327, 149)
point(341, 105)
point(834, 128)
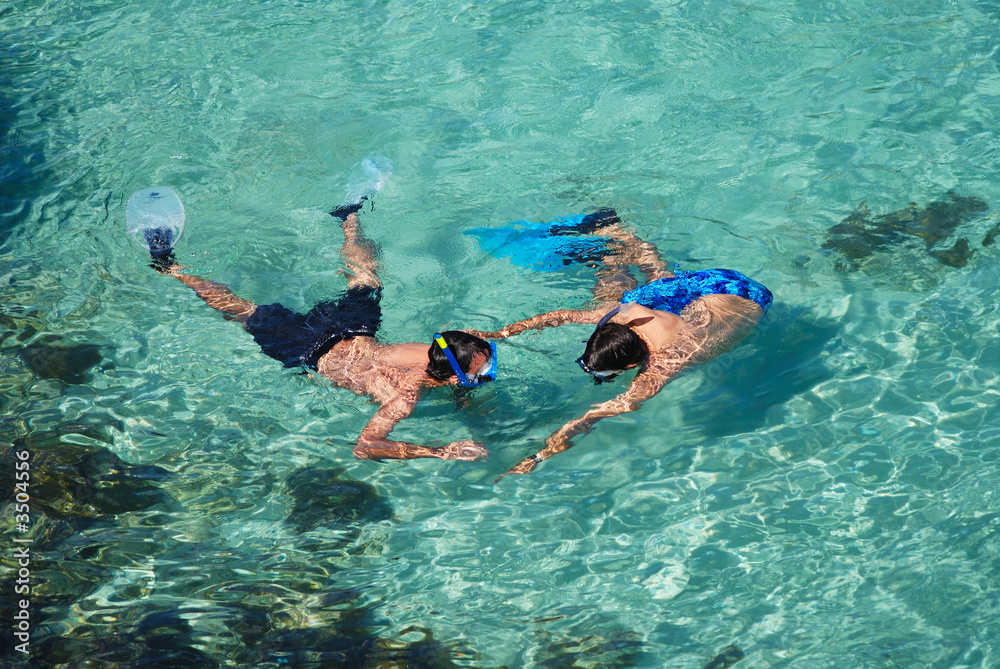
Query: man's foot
point(163, 262)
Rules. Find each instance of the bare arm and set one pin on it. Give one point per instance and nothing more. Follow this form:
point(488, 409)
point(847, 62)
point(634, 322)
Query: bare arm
point(658, 373)
point(541, 321)
point(374, 445)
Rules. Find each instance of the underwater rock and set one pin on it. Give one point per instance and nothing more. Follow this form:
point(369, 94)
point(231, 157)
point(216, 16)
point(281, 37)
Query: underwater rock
point(71, 482)
point(52, 358)
point(162, 638)
point(729, 656)
point(861, 234)
point(619, 648)
point(338, 648)
point(937, 221)
point(324, 499)
point(992, 235)
point(80, 543)
point(64, 576)
point(957, 256)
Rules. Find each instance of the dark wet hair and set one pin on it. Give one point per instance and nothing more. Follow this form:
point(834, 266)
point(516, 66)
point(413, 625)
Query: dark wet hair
point(463, 346)
point(613, 347)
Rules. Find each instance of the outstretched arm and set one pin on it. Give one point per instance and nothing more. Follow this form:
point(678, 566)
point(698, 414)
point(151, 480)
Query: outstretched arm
point(374, 445)
point(549, 320)
point(646, 384)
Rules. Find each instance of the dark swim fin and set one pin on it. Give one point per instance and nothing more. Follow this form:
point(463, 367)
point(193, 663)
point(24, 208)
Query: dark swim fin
point(589, 225)
point(160, 240)
point(345, 210)
point(591, 255)
point(161, 243)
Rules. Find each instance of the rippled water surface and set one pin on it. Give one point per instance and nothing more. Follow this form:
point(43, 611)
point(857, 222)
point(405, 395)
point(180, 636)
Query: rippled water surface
point(824, 495)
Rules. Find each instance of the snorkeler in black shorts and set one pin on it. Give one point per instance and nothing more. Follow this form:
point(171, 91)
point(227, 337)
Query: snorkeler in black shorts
point(337, 340)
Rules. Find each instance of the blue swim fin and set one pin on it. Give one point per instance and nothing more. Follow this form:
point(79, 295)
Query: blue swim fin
point(548, 247)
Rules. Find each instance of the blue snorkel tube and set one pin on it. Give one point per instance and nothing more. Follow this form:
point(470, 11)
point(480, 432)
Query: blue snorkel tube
point(469, 380)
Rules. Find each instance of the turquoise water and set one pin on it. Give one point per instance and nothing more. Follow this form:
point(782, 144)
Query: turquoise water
point(825, 495)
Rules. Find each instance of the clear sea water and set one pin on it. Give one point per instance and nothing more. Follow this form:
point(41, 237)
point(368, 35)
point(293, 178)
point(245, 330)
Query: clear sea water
point(825, 495)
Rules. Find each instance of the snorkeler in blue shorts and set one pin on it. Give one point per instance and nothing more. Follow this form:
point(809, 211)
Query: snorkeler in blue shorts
point(338, 341)
point(672, 322)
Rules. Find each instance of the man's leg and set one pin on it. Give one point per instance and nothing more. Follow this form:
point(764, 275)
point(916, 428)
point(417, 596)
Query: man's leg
point(613, 276)
point(216, 295)
point(613, 279)
point(358, 253)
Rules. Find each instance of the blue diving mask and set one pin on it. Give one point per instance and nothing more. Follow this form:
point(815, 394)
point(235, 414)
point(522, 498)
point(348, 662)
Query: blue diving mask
point(488, 372)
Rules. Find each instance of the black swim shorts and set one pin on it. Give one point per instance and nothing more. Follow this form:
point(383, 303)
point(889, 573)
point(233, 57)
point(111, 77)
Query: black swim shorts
point(302, 339)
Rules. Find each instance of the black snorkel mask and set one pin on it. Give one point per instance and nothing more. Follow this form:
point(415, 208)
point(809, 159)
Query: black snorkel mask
point(599, 377)
point(606, 375)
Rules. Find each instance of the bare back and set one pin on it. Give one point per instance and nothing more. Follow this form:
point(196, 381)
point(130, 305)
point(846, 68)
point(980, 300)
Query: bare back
point(710, 325)
point(366, 367)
